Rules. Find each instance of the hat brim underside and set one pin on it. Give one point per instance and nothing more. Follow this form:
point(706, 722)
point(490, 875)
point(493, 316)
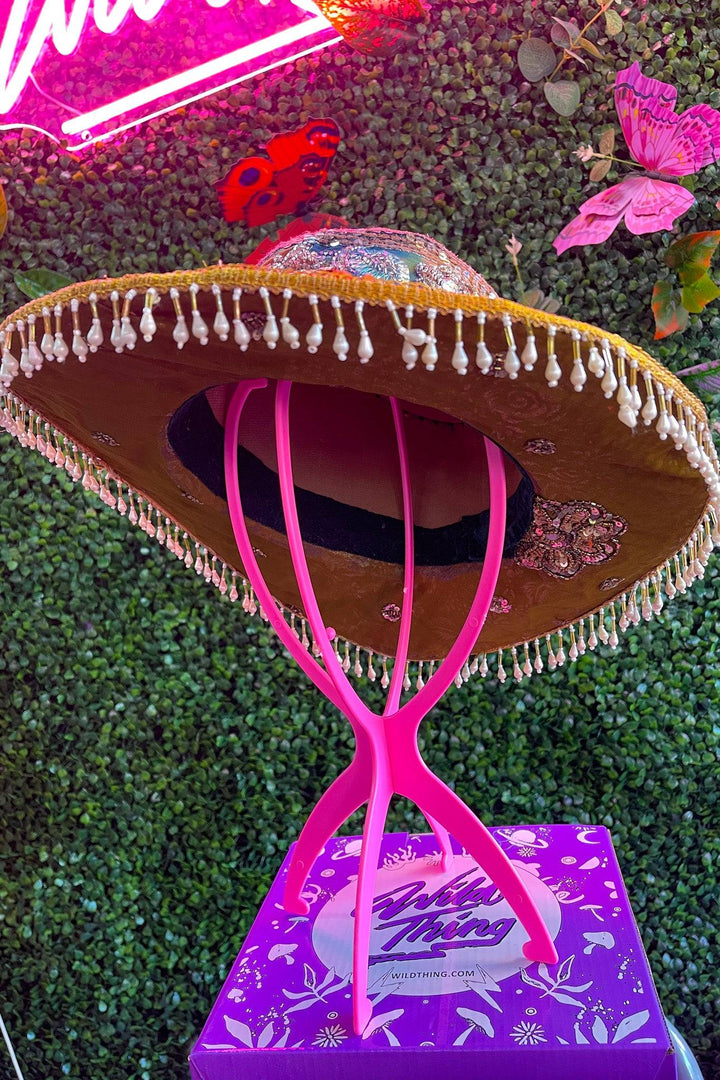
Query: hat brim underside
point(116, 407)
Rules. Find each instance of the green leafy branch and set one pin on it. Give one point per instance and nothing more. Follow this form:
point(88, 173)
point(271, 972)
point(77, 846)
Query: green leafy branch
point(538, 60)
point(533, 297)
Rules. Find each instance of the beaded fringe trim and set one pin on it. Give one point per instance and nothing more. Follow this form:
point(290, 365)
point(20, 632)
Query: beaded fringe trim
point(314, 287)
point(619, 369)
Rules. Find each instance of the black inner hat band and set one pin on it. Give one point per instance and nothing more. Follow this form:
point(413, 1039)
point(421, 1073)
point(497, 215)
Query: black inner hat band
point(197, 438)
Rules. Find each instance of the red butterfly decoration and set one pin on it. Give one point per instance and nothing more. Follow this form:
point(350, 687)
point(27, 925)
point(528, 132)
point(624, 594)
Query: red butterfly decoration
point(377, 27)
point(257, 190)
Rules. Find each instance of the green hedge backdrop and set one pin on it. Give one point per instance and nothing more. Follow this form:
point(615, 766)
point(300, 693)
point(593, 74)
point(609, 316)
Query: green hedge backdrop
point(158, 750)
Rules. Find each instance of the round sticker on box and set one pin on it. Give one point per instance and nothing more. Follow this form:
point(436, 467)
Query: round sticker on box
point(433, 931)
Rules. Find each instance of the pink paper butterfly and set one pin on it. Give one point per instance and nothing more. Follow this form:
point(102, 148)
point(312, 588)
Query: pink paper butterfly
point(663, 143)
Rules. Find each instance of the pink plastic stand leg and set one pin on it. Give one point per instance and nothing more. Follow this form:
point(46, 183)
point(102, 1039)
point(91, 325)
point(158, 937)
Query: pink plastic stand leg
point(387, 759)
point(346, 794)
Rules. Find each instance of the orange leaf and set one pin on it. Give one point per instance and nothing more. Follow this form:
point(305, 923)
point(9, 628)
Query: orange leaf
point(670, 315)
point(691, 255)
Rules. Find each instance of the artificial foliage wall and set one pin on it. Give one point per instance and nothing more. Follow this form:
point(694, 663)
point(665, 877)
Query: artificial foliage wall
point(158, 750)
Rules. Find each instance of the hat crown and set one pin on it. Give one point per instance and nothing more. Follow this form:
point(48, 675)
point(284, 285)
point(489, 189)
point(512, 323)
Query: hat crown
point(385, 254)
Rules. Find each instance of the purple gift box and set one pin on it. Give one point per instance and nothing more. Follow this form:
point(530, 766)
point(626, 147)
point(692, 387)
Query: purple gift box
point(452, 993)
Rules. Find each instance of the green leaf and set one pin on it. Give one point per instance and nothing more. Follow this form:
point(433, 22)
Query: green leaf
point(37, 283)
point(696, 296)
point(667, 306)
point(533, 298)
point(613, 23)
point(589, 46)
point(536, 298)
point(688, 182)
point(536, 59)
point(563, 96)
point(691, 255)
point(576, 56)
point(564, 33)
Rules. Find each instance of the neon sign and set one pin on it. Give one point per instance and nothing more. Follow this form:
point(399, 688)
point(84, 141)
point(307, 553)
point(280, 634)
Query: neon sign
point(82, 70)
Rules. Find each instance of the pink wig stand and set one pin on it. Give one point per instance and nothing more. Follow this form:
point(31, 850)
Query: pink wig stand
point(387, 760)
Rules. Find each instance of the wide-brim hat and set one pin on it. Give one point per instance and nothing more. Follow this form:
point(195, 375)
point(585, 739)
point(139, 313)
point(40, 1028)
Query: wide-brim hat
point(613, 487)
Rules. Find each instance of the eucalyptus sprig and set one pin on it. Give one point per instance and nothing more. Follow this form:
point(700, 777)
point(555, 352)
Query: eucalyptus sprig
point(534, 297)
point(538, 60)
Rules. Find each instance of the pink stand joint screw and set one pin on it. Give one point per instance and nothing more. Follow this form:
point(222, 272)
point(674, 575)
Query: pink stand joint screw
point(387, 760)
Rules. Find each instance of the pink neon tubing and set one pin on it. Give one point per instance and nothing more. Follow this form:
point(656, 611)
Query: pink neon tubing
point(387, 759)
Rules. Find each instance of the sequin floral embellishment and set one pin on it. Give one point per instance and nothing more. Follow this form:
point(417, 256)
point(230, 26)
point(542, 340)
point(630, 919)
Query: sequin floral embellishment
point(565, 537)
point(102, 437)
point(540, 446)
point(500, 606)
point(254, 323)
point(391, 612)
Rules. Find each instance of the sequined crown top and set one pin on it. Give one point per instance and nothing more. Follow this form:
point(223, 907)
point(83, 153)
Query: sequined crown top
point(385, 254)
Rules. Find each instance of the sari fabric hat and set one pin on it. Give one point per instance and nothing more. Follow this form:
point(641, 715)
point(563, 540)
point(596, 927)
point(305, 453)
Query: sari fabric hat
point(611, 473)
point(404, 463)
